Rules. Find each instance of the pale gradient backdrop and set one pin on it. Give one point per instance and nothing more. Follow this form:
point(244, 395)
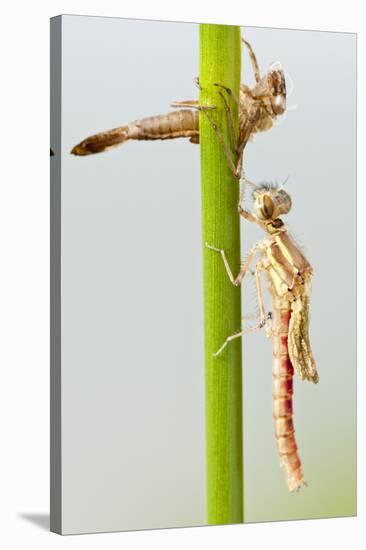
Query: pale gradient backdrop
point(132, 379)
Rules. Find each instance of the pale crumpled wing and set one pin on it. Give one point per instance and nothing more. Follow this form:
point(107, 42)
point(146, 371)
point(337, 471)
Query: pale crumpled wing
point(298, 337)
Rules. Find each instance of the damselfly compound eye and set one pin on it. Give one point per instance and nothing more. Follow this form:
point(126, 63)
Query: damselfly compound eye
point(270, 202)
point(282, 202)
point(263, 206)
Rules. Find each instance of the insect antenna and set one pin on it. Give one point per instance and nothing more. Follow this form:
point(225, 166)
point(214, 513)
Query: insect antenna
point(282, 186)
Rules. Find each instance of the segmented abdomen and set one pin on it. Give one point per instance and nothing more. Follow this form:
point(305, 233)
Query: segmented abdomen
point(176, 124)
point(181, 123)
point(282, 375)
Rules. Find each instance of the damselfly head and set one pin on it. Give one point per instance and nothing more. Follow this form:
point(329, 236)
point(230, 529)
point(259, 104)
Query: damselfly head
point(277, 85)
point(270, 202)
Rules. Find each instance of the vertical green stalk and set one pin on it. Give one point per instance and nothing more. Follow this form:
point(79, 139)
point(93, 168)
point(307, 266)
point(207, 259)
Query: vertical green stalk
point(220, 62)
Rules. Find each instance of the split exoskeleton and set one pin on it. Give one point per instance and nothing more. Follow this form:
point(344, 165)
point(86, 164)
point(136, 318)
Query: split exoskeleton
point(288, 276)
point(258, 109)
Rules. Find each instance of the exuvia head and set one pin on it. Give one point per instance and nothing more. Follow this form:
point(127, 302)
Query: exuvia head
point(270, 202)
point(277, 84)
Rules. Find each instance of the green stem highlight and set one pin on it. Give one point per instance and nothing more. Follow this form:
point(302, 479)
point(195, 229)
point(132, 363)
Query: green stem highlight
point(220, 62)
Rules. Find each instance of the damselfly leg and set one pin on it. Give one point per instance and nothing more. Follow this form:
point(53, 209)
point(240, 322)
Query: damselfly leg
point(236, 281)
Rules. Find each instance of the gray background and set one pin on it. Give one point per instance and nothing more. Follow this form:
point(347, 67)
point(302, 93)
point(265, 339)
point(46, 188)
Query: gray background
point(133, 449)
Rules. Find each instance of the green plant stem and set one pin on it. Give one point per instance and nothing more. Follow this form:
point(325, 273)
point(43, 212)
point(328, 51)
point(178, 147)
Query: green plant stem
point(220, 62)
